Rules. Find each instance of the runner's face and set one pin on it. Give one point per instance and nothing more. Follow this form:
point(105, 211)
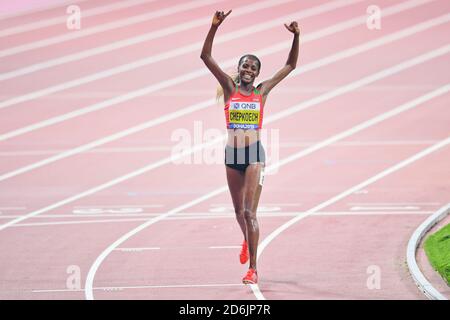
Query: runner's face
point(248, 70)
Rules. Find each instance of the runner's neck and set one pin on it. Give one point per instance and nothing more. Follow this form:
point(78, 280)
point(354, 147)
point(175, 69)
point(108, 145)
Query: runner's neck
point(244, 90)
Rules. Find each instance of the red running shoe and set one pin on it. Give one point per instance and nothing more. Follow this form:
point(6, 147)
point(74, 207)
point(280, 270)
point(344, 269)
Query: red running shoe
point(251, 277)
point(243, 256)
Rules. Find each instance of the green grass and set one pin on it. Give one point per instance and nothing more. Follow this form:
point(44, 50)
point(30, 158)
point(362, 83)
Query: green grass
point(437, 248)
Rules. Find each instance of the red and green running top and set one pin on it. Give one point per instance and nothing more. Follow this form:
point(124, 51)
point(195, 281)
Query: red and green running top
point(244, 112)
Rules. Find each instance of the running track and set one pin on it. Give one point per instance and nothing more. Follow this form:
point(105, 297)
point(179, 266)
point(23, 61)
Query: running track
point(87, 180)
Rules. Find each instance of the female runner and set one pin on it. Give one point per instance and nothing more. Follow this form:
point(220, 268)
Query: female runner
point(244, 154)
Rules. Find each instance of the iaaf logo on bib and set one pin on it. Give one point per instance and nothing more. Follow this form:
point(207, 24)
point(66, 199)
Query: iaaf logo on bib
point(207, 146)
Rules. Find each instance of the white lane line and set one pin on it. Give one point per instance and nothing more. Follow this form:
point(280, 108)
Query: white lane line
point(342, 195)
point(204, 217)
point(208, 215)
point(105, 27)
point(85, 216)
point(395, 203)
point(224, 247)
point(296, 156)
point(384, 208)
point(137, 249)
point(63, 18)
point(286, 113)
point(87, 212)
point(153, 35)
point(195, 47)
point(100, 150)
point(119, 288)
point(108, 103)
point(199, 215)
point(357, 143)
point(24, 153)
point(63, 223)
point(61, 3)
point(119, 206)
point(265, 204)
point(189, 76)
point(306, 68)
point(371, 213)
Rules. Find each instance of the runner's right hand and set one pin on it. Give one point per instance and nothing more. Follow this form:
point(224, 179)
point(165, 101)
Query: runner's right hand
point(218, 18)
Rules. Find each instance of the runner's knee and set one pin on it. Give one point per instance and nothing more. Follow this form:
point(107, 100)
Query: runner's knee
point(249, 214)
point(250, 220)
point(239, 213)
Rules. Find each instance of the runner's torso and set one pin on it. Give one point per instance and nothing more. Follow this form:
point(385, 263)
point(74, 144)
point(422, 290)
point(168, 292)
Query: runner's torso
point(244, 117)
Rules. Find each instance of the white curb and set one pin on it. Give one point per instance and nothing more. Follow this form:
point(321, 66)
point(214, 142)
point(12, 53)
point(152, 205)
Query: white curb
point(413, 244)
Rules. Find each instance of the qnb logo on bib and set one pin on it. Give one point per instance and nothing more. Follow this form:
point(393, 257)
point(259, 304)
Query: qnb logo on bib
point(245, 106)
point(244, 115)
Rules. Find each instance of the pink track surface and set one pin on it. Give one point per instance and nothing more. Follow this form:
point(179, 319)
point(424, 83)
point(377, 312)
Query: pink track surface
point(193, 253)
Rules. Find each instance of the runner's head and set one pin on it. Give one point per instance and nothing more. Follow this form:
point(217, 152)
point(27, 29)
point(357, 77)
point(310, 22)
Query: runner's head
point(248, 68)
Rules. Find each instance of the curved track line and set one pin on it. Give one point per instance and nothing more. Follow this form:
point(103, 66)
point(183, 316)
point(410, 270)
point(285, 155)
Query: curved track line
point(307, 104)
point(344, 194)
point(92, 271)
point(407, 106)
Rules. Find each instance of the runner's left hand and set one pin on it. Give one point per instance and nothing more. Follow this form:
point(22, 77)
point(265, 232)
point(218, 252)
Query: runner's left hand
point(293, 27)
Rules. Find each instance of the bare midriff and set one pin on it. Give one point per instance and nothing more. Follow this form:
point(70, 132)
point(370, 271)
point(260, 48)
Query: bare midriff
point(240, 138)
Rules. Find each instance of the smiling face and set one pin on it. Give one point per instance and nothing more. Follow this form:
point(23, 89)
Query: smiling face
point(248, 69)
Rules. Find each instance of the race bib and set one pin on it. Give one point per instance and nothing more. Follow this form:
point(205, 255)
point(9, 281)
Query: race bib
point(244, 115)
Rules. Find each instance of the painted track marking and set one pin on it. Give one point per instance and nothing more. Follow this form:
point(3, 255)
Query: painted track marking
point(146, 287)
point(24, 153)
point(137, 249)
point(376, 208)
point(203, 217)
